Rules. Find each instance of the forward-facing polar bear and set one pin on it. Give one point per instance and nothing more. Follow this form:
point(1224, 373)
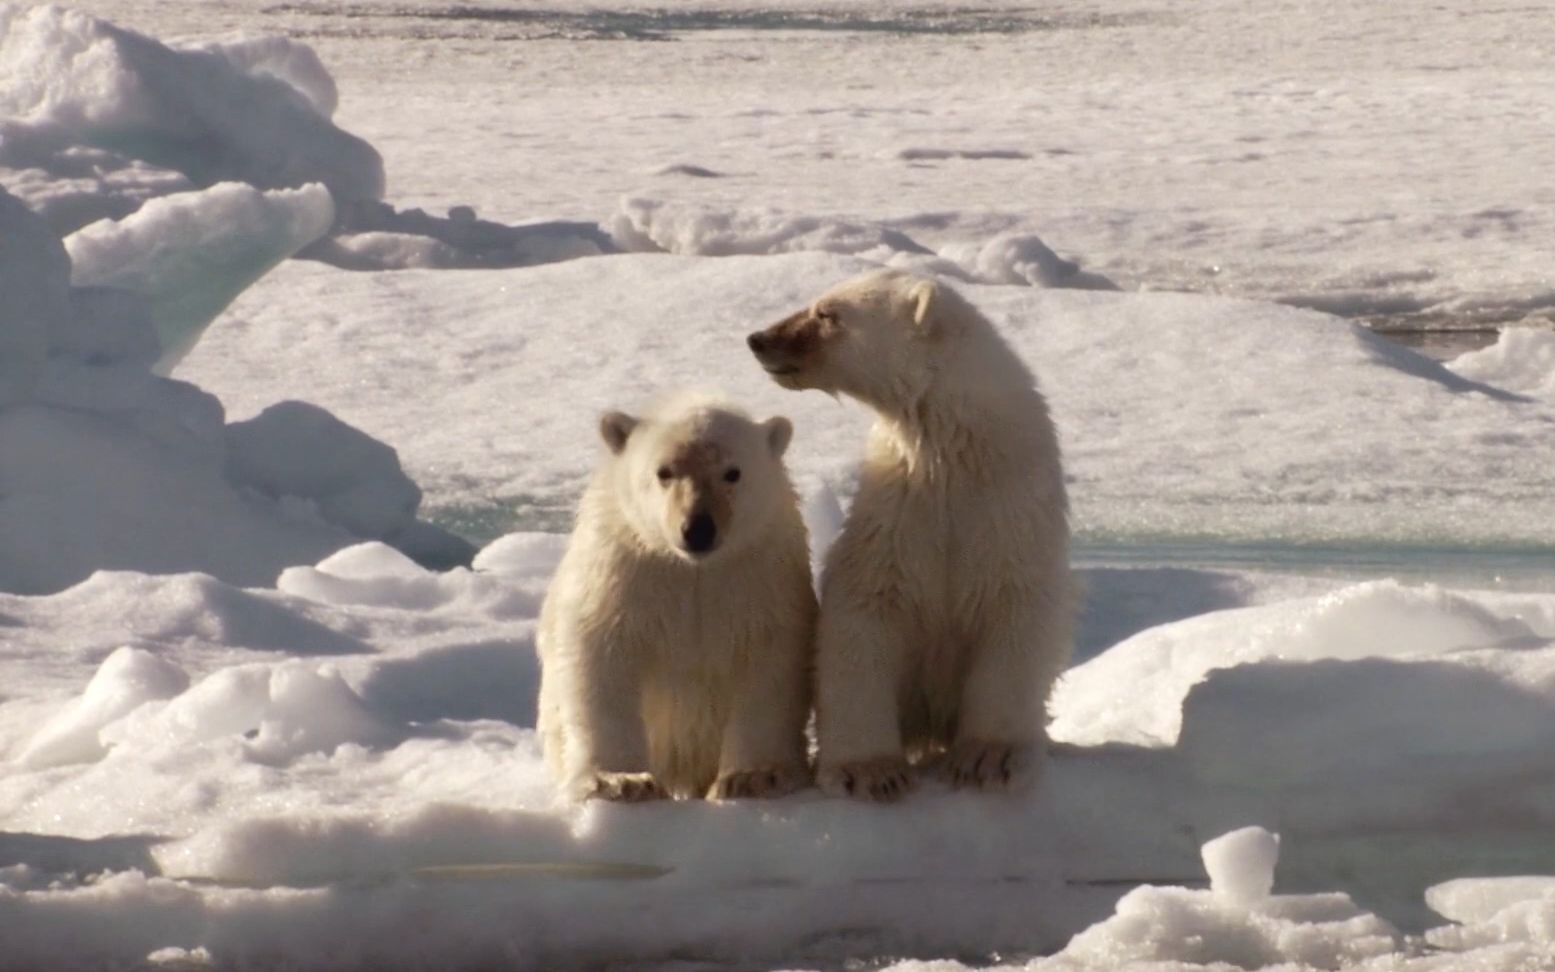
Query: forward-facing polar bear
point(946, 601)
point(676, 640)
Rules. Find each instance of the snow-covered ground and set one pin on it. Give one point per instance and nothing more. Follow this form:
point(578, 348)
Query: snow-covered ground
point(244, 725)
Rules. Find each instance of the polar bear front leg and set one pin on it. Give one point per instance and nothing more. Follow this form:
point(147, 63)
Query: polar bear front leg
point(763, 748)
point(859, 661)
point(606, 752)
point(1001, 735)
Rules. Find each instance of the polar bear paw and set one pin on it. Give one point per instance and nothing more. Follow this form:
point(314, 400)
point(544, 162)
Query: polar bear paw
point(625, 788)
point(772, 781)
point(974, 763)
point(883, 779)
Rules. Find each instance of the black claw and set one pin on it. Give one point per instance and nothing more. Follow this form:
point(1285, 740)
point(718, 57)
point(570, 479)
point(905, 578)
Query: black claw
point(847, 783)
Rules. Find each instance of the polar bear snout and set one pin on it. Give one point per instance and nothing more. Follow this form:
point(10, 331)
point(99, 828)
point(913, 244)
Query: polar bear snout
point(770, 349)
point(789, 346)
point(700, 534)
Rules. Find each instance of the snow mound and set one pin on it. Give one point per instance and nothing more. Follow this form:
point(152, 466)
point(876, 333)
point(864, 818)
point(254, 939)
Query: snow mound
point(274, 713)
point(249, 114)
point(1197, 928)
point(128, 679)
point(1522, 360)
point(379, 575)
point(293, 449)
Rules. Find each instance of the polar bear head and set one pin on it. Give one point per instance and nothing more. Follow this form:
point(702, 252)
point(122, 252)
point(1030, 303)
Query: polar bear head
point(879, 337)
point(696, 477)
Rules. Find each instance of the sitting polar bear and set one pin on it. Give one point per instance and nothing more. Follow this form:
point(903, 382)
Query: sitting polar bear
point(676, 638)
point(946, 601)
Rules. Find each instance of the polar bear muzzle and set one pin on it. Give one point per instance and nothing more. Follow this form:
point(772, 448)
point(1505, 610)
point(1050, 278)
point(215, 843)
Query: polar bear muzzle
point(792, 344)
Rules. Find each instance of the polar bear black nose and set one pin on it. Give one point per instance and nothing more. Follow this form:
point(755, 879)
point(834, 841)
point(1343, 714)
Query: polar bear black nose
point(699, 533)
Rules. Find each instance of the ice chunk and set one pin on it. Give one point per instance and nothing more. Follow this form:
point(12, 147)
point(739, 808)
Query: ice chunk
point(1471, 901)
point(1522, 360)
point(1494, 912)
point(190, 254)
point(1241, 863)
point(1134, 692)
point(126, 680)
point(1021, 258)
point(1274, 724)
point(248, 112)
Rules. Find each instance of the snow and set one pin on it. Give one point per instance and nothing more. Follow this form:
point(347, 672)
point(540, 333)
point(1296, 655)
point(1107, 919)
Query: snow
point(255, 711)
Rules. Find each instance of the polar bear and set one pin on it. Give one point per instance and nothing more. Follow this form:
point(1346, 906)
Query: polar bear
point(946, 601)
point(676, 639)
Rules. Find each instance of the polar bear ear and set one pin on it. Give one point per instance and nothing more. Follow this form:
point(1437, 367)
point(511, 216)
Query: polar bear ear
point(614, 428)
point(780, 431)
point(924, 295)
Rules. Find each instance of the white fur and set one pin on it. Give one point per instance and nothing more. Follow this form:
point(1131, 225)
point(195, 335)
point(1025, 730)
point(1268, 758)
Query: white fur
point(667, 674)
point(946, 601)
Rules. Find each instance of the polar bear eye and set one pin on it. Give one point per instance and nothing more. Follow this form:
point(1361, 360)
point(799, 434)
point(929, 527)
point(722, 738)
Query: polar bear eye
point(732, 475)
point(665, 475)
